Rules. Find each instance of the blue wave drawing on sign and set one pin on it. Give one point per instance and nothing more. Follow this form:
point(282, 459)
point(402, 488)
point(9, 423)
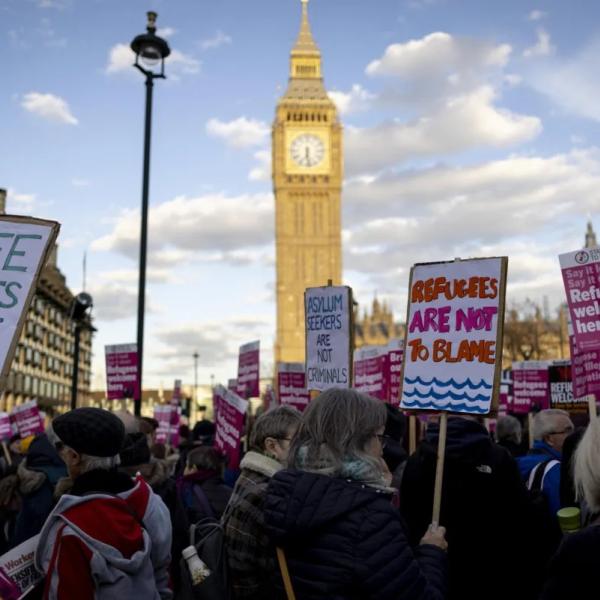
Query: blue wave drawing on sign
point(445, 395)
point(467, 382)
point(448, 406)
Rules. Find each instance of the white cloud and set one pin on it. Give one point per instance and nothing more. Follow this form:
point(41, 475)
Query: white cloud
point(464, 122)
point(114, 301)
point(357, 99)
point(129, 276)
point(239, 133)
point(568, 83)
point(262, 172)
point(438, 54)
point(121, 58)
point(537, 15)
point(49, 107)
point(77, 182)
point(219, 39)
point(542, 47)
point(166, 32)
point(19, 202)
point(211, 227)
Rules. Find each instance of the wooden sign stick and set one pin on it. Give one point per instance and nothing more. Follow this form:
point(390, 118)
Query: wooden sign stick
point(412, 434)
point(439, 471)
point(6, 454)
point(530, 426)
point(592, 406)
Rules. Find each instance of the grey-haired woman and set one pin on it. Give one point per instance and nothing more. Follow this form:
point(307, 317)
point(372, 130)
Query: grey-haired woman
point(333, 514)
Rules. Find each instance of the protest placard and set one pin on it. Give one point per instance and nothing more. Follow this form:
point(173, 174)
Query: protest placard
point(17, 564)
point(232, 384)
point(176, 397)
point(168, 418)
point(561, 388)
point(505, 398)
point(530, 386)
point(585, 370)
point(24, 246)
point(371, 371)
point(395, 349)
point(5, 427)
point(329, 339)
point(230, 424)
point(291, 385)
point(581, 276)
point(453, 350)
point(248, 378)
point(27, 418)
point(121, 371)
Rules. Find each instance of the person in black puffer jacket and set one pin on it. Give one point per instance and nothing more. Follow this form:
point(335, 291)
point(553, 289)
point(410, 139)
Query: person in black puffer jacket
point(485, 509)
point(333, 515)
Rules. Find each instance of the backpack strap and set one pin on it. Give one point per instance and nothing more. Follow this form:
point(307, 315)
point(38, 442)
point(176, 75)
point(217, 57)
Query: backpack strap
point(537, 475)
point(285, 574)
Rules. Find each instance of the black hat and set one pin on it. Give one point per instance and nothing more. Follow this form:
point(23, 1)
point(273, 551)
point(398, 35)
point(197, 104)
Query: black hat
point(91, 431)
point(395, 424)
point(135, 450)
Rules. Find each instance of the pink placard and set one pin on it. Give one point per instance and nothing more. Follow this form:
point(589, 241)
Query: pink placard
point(530, 386)
point(248, 370)
point(27, 419)
point(581, 276)
point(394, 370)
point(230, 424)
point(5, 427)
point(121, 371)
point(370, 371)
point(585, 371)
point(168, 418)
point(505, 397)
point(291, 383)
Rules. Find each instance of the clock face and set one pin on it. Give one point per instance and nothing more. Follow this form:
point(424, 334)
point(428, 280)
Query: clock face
point(307, 150)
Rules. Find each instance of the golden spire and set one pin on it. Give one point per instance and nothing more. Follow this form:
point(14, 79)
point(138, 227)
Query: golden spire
point(305, 44)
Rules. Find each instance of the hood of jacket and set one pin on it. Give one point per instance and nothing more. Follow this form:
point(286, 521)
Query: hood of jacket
point(464, 437)
point(261, 463)
point(299, 503)
point(42, 462)
point(109, 525)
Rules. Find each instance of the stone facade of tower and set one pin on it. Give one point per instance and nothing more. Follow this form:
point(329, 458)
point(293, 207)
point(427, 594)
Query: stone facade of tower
point(307, 183)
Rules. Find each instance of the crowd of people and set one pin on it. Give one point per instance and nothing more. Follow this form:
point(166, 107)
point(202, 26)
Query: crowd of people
point(325, 504)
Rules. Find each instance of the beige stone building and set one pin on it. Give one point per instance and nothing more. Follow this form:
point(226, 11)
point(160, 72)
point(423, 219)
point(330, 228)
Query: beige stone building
point(43, 364)
point(307, 182)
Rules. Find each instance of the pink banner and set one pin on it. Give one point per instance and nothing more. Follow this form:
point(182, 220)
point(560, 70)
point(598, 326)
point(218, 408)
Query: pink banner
point(5, 427)
point(394, 370)
point(581, 276)
point(28, 420)
point(248, 370)
point(291, 383)
point(230, 424)
point(585, 371)
point(370, 370)
point(168, 418)
point(530, 386)
point(121, 371)
point(561, 388)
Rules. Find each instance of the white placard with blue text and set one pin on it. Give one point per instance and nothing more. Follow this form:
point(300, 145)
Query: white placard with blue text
point(328, 321)
point(24, 247)
point(453, 350)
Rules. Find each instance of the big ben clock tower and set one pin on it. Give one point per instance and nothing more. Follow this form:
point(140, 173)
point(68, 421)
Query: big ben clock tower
point(307, 181)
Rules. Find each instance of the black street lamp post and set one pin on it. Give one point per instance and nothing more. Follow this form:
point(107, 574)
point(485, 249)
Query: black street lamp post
point(79, 310)
point(150, 52)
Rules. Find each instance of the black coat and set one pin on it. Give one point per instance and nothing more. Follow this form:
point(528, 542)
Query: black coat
point(344, 540)
point(485, 509)
point(572, 572)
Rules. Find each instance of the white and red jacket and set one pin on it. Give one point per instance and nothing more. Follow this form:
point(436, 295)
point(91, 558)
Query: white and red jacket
point(103, 547)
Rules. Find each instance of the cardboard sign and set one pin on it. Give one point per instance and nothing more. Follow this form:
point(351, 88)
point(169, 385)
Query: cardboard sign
point(453, 349)
point(585, 370)
point(291, 383)
point(395, 349)
point(248, 378)
point(561, 388)
point(370, 371)
point(24, 247)
point(530, 386)
point(232, 384)
point(505, 398)
point(581, 276)
point(17, 564)
point(121, 371)
point(230, 424)
point(27, 418)
point(5, 427)
point(329, 340)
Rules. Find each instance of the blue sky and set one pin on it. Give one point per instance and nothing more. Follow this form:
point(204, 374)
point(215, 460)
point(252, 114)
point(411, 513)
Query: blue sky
point(470, 129)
